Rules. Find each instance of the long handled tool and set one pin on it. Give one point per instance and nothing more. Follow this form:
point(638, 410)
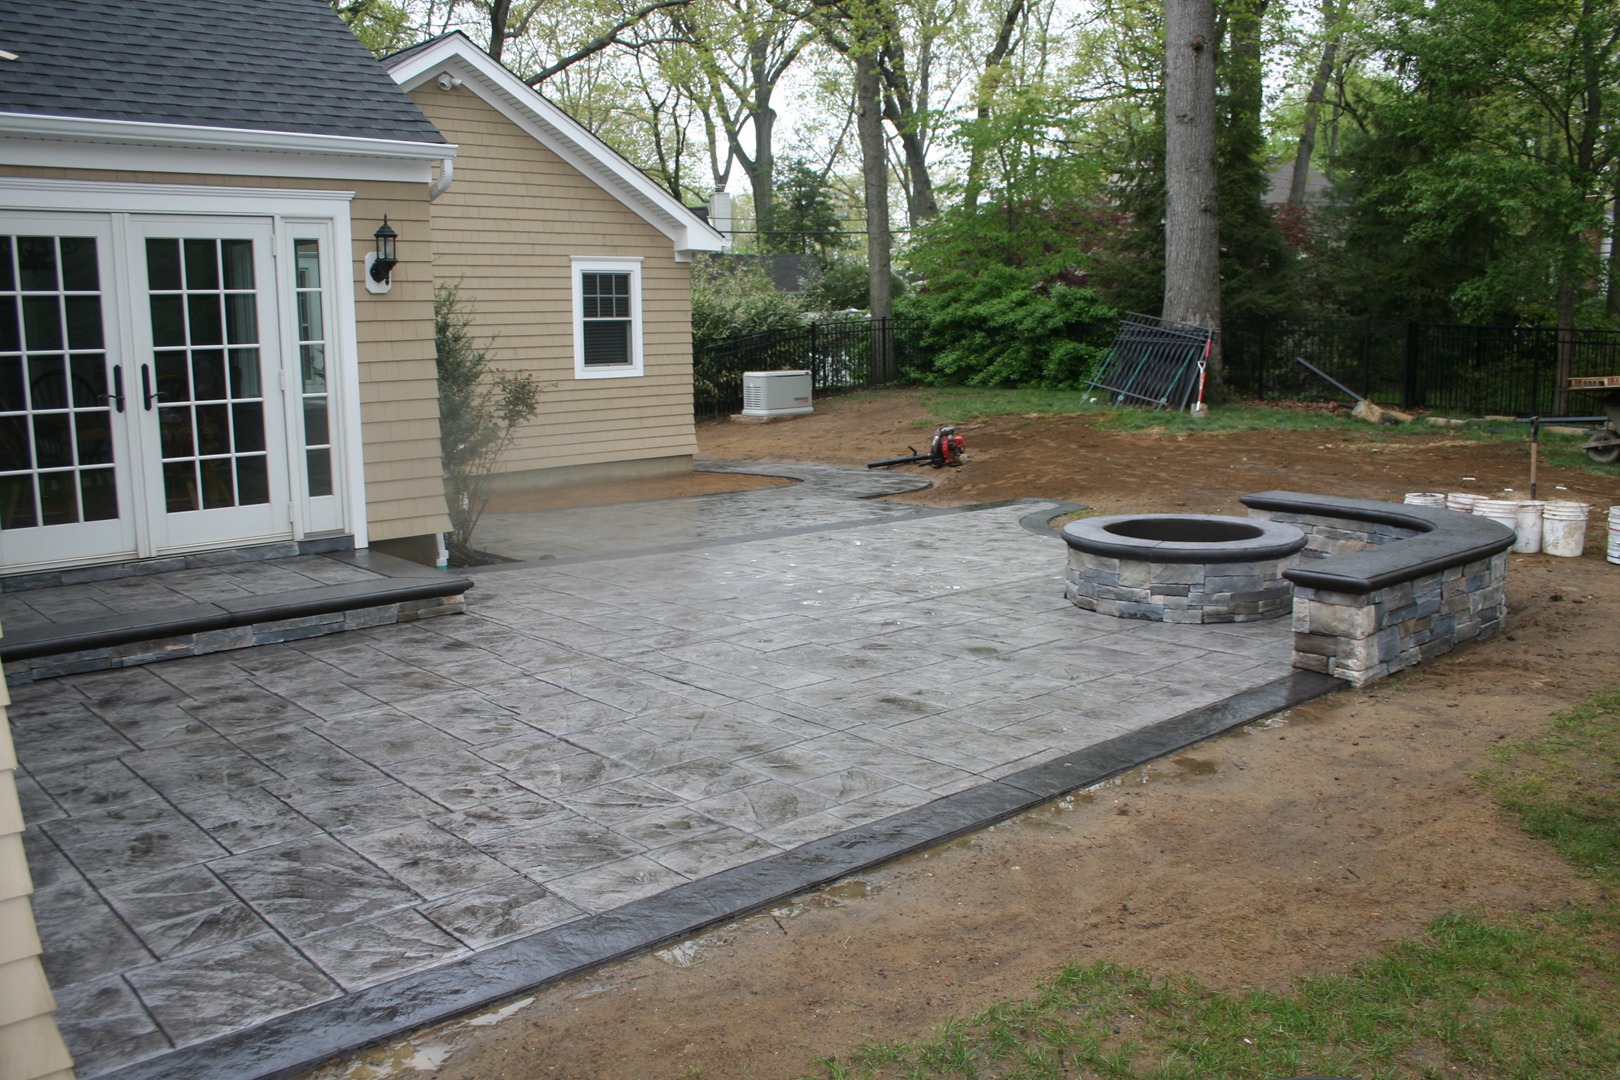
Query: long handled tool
point(946, 449)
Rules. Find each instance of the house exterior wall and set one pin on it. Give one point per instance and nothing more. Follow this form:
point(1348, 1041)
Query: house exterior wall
point(506, 230)
point(31, 1048)
point(398, 379)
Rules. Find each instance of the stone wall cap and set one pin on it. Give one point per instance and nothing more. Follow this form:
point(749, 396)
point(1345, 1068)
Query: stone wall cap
point(1442, 539)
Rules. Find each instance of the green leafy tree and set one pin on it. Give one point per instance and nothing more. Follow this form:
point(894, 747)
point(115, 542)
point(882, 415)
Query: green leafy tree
point(732, 297)
point(480, 412)
point(808, 217)
point(1520, 100)
point(1003, 290)
point(382, 26)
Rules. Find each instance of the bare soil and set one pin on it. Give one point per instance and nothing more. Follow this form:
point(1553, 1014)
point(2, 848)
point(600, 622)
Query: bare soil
point(1293, 847)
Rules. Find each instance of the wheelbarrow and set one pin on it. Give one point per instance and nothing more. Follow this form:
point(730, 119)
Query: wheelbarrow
point(1603, 445)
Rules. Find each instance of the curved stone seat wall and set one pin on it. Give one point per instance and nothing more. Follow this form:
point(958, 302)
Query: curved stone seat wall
point(1387, 585)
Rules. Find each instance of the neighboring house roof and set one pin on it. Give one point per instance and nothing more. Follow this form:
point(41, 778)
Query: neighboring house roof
point(454, 54)
point(1318, 188)
point(263, 65)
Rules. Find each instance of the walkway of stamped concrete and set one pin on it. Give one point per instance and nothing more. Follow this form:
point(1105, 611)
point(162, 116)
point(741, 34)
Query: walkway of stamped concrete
point(676, 713)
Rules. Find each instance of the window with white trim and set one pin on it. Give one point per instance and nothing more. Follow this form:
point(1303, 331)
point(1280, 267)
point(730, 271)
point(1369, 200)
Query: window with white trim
point(607, 318)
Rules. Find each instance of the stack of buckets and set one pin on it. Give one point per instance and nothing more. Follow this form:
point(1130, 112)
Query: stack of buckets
point(1554, 527)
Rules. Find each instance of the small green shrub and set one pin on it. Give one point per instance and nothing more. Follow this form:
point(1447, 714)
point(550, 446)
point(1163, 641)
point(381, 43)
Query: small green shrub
point(480, 410)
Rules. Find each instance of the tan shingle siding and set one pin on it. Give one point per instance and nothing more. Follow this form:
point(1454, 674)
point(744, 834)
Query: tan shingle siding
point(31, 1048)
point(508, 229)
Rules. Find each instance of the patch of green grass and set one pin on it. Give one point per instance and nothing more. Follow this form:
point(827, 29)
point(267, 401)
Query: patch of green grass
point(1524, 997)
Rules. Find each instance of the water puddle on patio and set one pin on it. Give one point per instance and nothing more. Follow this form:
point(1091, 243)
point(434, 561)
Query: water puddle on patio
point(424, 1052)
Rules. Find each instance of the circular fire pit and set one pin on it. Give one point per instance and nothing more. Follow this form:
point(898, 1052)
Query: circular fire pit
point(1181, 568)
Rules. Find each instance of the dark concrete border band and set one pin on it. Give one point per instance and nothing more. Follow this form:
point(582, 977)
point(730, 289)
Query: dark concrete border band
point(302, 1040)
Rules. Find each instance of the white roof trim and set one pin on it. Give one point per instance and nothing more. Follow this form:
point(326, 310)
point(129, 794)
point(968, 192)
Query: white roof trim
point(561, 134)
point(80, 142)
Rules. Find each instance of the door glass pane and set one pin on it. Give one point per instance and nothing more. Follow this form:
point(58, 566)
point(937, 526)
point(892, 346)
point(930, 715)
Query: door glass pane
point(202, 265)
point(42, 321)
point(55, 420)
point(312, 359)
point(180, 487)
point(203, 319)
point(253, 480)
point(79, 270)
point(241, 319)
point(36, 263)
point(213, 429)
point(16, 445)
point(53, 440)
point(245, 373)
point(320, 472)
point(312, 355)
point(58, 499)
point(236, 258)
point(175, 433)
point(208, 374)
point(84, 322)
point(211, 419)
point(17, 503)
point(10, 325)
point(163, 264)
point(89, 379)
point(98, 494)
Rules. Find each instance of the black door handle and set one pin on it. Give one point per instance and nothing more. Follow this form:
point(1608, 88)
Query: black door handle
point(117, 396)
point(147, 392)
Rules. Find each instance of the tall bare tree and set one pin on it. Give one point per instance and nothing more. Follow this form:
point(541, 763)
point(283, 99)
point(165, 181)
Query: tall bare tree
point(1192, 283)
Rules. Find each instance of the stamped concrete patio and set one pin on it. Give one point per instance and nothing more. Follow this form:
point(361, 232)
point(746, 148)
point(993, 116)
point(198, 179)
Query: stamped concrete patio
point(671, 714)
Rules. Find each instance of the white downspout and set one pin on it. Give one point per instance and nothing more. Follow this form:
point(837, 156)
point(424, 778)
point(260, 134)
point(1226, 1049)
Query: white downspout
point(447, 173)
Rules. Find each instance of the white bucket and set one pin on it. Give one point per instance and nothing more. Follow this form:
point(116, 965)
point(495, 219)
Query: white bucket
point(1614, 534)
point(1563, 528)
point(1529, 528)
point(1425, 498)
point(1461, 501)
point(1504, 510)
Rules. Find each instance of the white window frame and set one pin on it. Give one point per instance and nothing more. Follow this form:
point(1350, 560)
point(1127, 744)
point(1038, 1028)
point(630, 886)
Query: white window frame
point(579, 267)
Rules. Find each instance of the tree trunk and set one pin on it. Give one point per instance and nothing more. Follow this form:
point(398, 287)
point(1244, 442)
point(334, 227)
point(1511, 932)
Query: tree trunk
point(1313, 107)
point(1192, 282)
point(1614, 249)
point(995, 70)
point(875, 172)
point(1564, 312)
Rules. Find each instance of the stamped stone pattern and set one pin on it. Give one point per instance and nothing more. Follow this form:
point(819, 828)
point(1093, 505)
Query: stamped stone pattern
point(219, 841)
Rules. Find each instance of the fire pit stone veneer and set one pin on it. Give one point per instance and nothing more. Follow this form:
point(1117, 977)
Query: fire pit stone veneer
point(1181, 568)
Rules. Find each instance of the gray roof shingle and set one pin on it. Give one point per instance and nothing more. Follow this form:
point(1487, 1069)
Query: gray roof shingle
point(263, 65)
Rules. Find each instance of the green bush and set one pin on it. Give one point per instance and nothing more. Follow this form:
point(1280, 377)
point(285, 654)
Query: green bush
point(733, 297)
point(1009, 326)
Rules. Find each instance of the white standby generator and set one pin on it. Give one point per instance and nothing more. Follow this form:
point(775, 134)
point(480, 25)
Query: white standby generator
point(776, 393)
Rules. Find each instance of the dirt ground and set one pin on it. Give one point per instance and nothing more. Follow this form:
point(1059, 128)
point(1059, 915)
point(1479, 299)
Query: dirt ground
point(1293, 847)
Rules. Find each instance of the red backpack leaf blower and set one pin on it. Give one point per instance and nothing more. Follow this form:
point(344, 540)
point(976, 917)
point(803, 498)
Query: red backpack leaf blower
point(946, 449)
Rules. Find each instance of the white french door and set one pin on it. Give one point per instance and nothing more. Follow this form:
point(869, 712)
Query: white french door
point(206, 395)
point(142, 408)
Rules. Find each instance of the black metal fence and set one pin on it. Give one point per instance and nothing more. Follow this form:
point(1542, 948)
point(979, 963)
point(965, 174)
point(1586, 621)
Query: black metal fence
point(840, 354)
point(1464, 370)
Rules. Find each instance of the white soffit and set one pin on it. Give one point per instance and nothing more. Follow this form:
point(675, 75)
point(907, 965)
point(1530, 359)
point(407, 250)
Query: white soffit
point(87, 143)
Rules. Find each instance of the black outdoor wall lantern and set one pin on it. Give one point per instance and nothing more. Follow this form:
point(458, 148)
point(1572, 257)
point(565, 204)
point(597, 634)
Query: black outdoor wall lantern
point(385, 261)
point(380, 263)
